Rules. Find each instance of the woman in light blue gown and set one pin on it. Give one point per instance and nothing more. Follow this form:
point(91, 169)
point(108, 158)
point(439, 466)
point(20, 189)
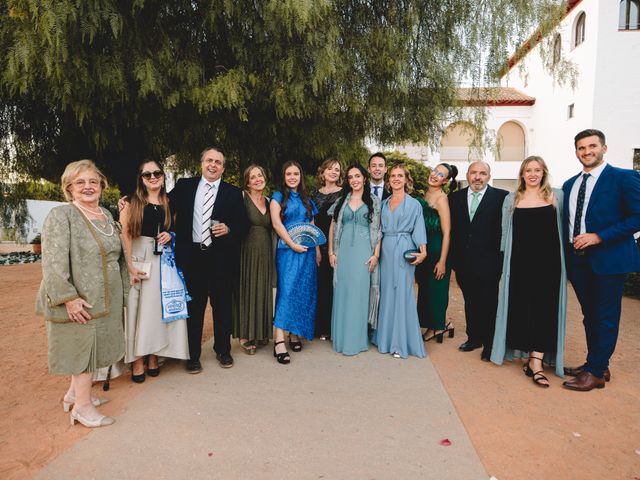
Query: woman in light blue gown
point(398, 330)
point(296, 265)
point(354, 250)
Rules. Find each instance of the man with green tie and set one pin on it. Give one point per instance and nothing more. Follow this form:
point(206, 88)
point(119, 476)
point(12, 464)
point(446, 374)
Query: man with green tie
point(476, 216)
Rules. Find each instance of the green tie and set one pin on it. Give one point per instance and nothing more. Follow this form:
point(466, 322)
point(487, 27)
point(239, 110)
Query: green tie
point(475, 201)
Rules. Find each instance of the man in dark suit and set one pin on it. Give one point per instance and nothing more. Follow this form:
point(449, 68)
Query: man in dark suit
point(210, 221)
point(377, 171)
point(476, 215)
point(601, 215)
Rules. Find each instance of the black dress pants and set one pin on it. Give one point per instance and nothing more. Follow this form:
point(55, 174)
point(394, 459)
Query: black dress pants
point(480, 292)
point(204, 282)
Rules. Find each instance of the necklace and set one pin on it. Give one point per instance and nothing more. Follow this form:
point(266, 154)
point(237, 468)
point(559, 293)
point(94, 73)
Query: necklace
point(100, 212)
point(97, 228)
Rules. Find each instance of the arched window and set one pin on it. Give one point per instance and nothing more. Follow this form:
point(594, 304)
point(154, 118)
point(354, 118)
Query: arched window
point(456, 142)
point(578, 33)
point(511, 142)
point(629, 15)
point(557, 49)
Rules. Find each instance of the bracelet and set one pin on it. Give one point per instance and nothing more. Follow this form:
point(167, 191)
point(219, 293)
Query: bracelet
point(332, 254)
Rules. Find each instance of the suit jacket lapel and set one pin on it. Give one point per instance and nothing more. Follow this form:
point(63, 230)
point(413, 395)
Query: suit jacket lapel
point(464, 205)
point(193, 189)
point(567, 193)
point(486, 198)
point(599, 187)
point(222, 192)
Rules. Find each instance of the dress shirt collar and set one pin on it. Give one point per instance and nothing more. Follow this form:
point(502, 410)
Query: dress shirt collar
point(215, 184)
point(381, 184)
point(481, 192)
point(596, 172)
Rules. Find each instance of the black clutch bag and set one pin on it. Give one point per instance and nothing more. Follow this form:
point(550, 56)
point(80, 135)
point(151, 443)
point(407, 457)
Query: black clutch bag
point(408, 254)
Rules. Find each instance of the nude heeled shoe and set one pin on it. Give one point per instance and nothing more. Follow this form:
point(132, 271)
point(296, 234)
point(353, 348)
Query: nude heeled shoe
point(103, 421)
point(97, 401)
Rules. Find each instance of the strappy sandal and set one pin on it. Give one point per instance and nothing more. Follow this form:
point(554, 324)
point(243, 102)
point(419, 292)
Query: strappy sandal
point(295, 346)
point(439, 336)
point(249, 347)
point(282, 358)
point(527, 369)
point(450, 329)
point(538, 376)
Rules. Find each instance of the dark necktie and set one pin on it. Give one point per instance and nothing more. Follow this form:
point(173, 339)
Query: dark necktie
point(376, 189)
point(207, 206)
point(580, 205)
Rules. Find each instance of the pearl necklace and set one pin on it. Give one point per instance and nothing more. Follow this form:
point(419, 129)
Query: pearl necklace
point(97, 228)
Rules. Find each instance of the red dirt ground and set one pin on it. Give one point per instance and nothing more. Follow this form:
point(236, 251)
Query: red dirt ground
point(520, 431)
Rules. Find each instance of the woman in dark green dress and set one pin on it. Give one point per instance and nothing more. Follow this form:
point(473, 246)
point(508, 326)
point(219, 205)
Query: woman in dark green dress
point(253, 305)
point(434, 273)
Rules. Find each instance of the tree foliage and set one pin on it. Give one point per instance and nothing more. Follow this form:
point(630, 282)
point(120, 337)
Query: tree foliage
point(269, 80)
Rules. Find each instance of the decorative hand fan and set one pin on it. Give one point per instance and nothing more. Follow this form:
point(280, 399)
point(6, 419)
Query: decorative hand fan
point(305, 234)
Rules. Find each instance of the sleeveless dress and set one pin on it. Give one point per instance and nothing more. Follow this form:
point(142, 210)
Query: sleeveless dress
point(349, 319)
point(398, 325)
point(145, 332)
point(534, 285)
point(433, 295)
point(297, 294)
point(253, 298)
point(325, 272)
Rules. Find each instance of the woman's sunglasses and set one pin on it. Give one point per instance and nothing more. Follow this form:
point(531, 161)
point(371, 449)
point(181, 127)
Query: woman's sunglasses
point(148, 175)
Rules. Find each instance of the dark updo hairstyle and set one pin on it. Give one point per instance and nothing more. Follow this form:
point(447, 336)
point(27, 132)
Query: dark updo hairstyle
point(452, 174)
point(346, 189)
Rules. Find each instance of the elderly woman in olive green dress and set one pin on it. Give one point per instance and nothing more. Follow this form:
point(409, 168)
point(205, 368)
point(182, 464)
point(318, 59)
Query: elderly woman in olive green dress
point(84, 274)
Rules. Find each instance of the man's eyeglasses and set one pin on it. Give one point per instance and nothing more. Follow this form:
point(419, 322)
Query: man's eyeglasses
point(155, 173)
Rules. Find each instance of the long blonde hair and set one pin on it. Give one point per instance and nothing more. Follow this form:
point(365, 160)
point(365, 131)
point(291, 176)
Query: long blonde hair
point(545, 186)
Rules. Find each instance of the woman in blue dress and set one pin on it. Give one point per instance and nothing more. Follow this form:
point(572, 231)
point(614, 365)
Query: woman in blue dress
point(354, 250)
point(398, 329)
point(296, 265)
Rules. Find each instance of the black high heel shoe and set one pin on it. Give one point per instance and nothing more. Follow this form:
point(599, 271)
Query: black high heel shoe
point(440, 336)
point(450, 329)
point(282, 358)
point(295, 346)
point(138, 378)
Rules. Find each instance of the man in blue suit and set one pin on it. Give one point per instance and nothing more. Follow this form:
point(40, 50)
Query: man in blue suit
point(601, 216)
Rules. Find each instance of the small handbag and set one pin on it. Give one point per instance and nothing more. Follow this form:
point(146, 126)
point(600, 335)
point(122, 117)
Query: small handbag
point(408, 254)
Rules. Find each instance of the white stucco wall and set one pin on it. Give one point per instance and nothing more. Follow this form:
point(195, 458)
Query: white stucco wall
point(616, 109)
point(38, 209)
point(607, 97)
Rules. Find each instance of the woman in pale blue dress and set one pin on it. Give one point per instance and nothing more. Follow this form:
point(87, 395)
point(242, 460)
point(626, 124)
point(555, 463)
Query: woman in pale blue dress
point(354, 250)
point(398, 330)
point(296, 265)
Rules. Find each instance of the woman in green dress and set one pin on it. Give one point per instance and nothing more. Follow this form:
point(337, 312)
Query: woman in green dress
point(82, 294)
point(434, 273)
point(253, 304)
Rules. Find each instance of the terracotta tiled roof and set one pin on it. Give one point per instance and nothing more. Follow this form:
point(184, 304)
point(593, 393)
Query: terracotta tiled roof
point(494, 96)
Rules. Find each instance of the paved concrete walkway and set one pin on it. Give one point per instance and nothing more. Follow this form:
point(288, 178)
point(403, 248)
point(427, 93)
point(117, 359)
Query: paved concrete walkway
point(324, 416)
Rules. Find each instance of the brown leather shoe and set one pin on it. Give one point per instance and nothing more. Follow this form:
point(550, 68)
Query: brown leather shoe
point(575, 371)
point(584, 382)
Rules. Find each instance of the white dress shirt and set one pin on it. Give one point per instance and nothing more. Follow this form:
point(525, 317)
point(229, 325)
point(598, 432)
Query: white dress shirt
point(197, 206)
point(470, 197)
point(380, 190)
point(573, 198)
